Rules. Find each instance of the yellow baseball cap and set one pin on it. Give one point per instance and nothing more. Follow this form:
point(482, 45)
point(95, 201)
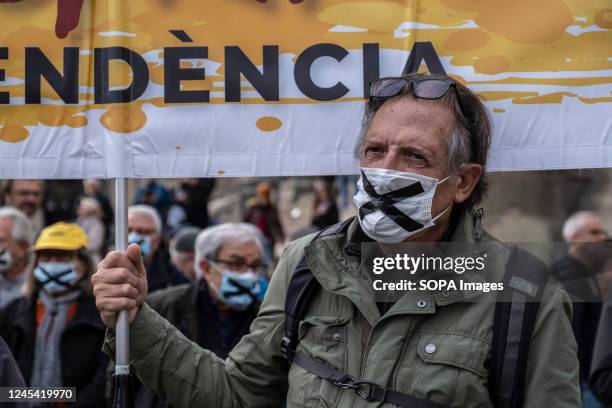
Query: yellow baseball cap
point(61, 236)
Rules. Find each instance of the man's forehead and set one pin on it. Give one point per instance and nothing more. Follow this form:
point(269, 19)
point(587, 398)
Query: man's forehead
point(141, 220)
point(419, 121)
point(408, 110)
point(245, 249)
point(28, 185)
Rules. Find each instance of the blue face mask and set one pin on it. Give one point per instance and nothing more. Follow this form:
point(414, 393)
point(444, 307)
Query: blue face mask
point(143, 241)
point(237, 290)
point(56, 276)
point(261, 288)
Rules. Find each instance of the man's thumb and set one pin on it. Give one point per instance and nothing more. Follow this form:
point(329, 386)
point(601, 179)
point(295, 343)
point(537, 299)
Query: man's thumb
point(134, 255)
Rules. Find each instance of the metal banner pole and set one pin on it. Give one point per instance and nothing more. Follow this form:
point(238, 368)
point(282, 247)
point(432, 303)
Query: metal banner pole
point(122, 389)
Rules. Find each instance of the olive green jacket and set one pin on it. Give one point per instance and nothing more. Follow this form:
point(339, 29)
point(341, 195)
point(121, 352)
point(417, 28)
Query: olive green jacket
point(344, 328)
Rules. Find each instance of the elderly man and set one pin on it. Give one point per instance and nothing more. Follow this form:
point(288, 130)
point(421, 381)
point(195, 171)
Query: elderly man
point(422, 153)
point(578, 272)
point(26, 196)
point(16, 236)
point(145, 229)
point(216, 310)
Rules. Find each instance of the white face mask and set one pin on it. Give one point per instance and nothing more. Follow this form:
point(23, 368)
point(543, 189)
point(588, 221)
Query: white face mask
point(395, 205)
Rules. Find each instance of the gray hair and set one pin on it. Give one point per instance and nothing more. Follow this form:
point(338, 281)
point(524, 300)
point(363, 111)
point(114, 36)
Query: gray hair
point(22, 227)
point(209, 241)
point(468, 141)
point(575, 223)
point(149, 211)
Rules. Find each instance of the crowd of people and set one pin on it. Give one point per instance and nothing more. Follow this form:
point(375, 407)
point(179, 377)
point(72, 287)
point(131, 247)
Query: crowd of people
point(208, 279)
point(208, 282)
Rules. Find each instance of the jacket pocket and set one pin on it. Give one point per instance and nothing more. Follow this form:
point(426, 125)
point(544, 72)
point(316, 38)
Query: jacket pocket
point(322, 337)
point(451, 369)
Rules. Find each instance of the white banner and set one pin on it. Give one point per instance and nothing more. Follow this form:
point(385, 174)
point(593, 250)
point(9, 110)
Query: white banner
point(253, 88)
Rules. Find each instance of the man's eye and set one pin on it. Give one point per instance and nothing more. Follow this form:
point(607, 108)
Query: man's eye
point(416, 159)
point(373, 150)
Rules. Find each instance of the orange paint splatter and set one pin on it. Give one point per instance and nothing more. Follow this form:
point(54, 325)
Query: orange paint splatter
point(521, 21)
point(268, 123)
point(61, 116)
point(466, 40)
point(603, 99)
point(491, 64)
point(498, 110)
point(123, 119)
point(556, 97)
point(499, 95)
point(13, 133)
point(603, 18)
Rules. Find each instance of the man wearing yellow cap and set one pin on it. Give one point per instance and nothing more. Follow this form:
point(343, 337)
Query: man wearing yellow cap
point(54, 330)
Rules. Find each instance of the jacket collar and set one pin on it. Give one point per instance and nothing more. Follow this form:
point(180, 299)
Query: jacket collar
point(336, 263)
point(86, 314)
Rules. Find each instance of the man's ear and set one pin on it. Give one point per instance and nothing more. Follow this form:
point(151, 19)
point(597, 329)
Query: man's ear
point(205, 266)
point(469, 174)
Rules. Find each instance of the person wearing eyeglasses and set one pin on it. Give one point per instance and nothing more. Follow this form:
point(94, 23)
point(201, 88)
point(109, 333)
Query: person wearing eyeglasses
point(321, 338)
point(217, 309)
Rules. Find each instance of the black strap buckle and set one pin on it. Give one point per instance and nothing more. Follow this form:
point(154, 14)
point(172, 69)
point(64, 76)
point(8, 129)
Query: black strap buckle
point(346, 382)
point(368, 393)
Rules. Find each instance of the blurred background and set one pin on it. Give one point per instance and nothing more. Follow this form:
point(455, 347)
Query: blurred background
point(520, 206)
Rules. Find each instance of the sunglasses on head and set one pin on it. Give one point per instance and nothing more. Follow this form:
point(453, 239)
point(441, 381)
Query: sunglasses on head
point(424, 88)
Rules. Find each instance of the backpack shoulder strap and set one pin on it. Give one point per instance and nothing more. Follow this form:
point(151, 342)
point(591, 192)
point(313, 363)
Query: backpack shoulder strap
point(515, 314)
point(302, 287)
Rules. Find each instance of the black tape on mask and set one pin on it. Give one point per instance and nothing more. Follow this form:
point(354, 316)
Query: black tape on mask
point(3, 261)
point(56, 279)
point(240, 290)
point(385, 203)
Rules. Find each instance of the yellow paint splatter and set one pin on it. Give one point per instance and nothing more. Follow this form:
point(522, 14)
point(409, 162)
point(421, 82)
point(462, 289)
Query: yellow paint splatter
point(498, 110)
point(268, 123)
point(13, 133)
